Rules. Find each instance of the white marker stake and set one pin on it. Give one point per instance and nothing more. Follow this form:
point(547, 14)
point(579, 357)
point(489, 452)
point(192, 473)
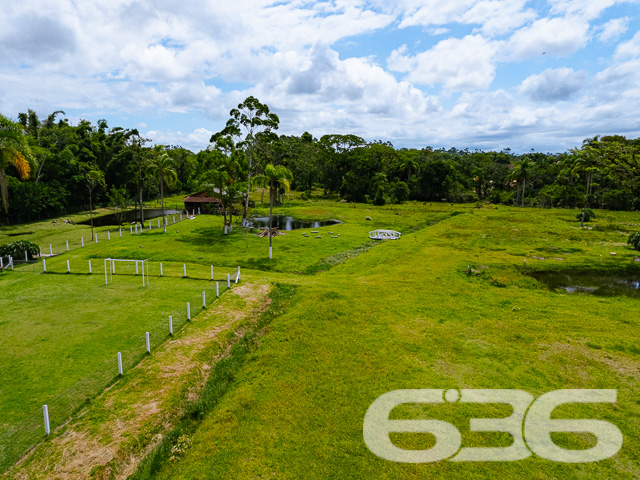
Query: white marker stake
point(165, 229)
point(113, 267)
point(108, 235)
point(26, 256)
point(184, 268)
point(270, 252)
point(67, 245)
point(136, 268)
point(142, 274)
point(148, 342)
point(180, 217)
point(228, 280)
point(44, 265)
point(217, 289)
point(158, 223)
point(119, 364)
point(68, 267)
point(170, 325)
point(106, 276)
point(225, 229)
point(136, 228)
point(198, 210)
point(188, 311)
point(204, 300)
point(1, 263)
point(96, 238)
point(211, 272)
point(89, 266)
point(174, 219)
point(11, 262)
point(50, 250)
point(238, 275)
point(120, 230)
point(131, 229)
point(47, 428)
point(161, 269)
point(82, 240)
point(149, 224)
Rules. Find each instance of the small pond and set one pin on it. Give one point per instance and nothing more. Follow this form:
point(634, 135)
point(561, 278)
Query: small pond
point(605, 284)
point(130, 216)
point(284, 222)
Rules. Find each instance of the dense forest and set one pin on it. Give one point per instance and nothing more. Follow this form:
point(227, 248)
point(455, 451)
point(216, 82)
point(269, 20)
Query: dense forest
point(50, 167)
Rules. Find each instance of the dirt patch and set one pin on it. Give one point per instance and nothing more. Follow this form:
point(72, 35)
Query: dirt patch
point(110, 437)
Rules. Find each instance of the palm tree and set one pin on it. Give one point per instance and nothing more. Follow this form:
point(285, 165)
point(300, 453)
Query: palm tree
point(162, 170)
point(274, 178)
point(522, 172)
point(587, 160)
point(14, 150)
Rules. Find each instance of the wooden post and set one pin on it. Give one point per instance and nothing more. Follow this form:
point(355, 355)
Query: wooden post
point(188, 311)
point(119, 364)
point(47, 428)
point(148, 342)
point(170, 325)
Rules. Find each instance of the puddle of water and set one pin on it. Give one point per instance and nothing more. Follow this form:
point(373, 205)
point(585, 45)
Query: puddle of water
point(284, 222)
point(605, 284)
point(129, 217)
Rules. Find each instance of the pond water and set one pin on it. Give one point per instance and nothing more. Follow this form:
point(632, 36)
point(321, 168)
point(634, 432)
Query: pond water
point(284, 222)
point(130, 216)
point(606, 284)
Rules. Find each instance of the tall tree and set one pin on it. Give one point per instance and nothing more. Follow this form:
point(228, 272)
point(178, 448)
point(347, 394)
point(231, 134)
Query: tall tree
point(587, 160)
point(162, 170)
point(522, 173)
point(14, 150)
point(275, 178)
point(254, 117)
point(92, 177)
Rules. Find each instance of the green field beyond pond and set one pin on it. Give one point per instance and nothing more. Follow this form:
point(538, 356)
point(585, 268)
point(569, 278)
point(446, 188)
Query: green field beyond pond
point(451, 305)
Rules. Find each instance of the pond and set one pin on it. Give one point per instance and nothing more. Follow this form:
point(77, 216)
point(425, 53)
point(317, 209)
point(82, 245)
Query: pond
point(284, 222)
point(605, 284)
point(129, 216)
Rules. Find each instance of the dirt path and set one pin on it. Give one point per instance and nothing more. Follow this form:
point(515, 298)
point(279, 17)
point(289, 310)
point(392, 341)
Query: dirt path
point(109, 438)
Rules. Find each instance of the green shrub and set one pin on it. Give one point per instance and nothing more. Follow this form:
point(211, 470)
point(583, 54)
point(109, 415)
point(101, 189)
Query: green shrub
point(634, 240)
point(17, 249)
point(588, 215)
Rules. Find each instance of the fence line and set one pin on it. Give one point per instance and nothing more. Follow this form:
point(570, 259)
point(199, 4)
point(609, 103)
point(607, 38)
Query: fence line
point(17, 438)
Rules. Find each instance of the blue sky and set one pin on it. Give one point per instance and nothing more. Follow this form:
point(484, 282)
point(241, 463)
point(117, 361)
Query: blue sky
point(489, 74)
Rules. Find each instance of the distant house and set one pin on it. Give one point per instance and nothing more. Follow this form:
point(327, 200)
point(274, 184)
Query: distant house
point(202, 201)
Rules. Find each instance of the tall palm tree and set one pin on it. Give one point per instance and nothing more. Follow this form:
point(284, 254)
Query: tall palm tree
point(162, 170)
point(522, 172)
point(587, 160)
point(14, 150)
point(274, 178)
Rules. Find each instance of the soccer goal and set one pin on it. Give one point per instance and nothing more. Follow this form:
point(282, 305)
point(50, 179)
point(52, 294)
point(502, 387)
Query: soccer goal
point(110, 269)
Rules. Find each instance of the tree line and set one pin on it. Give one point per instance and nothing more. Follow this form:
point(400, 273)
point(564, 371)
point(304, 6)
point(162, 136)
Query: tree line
point(49, 167)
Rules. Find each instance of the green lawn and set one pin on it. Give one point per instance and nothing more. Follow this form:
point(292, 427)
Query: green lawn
point(363, 321)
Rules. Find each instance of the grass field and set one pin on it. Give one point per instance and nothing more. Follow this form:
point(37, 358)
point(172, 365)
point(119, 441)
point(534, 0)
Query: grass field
point(362, 321)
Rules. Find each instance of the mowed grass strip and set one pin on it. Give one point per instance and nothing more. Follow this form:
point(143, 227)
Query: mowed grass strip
point(404, 315)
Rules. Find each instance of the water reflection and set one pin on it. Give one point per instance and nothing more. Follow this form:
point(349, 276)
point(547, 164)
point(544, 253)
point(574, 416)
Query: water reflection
point(284, 222)
point(606, 284)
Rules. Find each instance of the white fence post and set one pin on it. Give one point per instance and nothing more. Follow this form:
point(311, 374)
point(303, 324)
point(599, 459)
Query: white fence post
point(181, 217)
point(96, 238)
point(44, 265)
point(11, 262)
point(217, 289)
point(158, 223)
point(211, 272)
point(170, 325)
point(136, 268)
point(68, 267)
point(270, 252)
point(1, 263)
point(82, 240)
point(120, 230)
point(67, 245)
point(184, 268)
point(198, 210)
point(174, 219)
point(108, 235)
point(26, 256)
point(119, 364)
point(149, 224)
point(204, 300)
point(148, 342)
point(90, 267)
point(113, 267)
point(160, 269)
point(188, 311)
point(136, 228)
point(238, 275)
point(228, 280)
point(130, 230)
point(47, 428)
point(106, 276)
point(50, 250)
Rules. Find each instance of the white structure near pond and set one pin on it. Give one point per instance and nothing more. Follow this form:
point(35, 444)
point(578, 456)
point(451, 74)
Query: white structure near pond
point(384, 235)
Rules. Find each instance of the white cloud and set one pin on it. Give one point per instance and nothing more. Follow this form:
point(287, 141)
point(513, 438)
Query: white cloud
point(613, 29)
point(553, 36)
point(629, 49)
point(456, 64)
point(553, 85)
